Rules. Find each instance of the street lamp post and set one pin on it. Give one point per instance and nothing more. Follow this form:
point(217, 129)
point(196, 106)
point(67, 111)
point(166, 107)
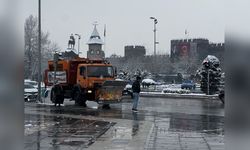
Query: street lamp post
point(79, 37)
point(39, 50)
point(208, 81)
point(155, 22)
point(56, 58)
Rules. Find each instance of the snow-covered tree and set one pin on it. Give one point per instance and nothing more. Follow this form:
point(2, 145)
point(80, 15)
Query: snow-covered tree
point(210, 74)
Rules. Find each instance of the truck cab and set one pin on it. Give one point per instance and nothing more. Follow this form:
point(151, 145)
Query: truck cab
point(90, 78)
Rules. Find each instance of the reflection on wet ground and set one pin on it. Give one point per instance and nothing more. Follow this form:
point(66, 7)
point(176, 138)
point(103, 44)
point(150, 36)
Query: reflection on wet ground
point(177, 120)
point(175, 123)
point(47, 132)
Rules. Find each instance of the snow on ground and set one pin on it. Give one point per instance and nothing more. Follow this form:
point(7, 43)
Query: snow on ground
point(171, 89)
point(174, 90)
point(186, 94)
point(173, 86)
point(164, 86)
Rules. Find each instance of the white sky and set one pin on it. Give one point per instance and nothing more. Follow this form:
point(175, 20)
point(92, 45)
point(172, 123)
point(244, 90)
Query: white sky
point(128, 21)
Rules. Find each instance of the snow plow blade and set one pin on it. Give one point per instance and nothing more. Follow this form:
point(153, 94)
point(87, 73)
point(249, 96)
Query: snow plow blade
point(111, 92)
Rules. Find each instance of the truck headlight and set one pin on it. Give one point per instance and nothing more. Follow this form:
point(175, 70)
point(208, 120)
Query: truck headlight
point(89, 91)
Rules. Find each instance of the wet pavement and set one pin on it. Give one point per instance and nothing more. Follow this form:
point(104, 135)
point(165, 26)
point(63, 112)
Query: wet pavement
point(161, 123)
point(47, 132)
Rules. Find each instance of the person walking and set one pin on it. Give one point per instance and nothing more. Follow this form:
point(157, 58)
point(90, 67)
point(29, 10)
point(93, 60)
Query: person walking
point(136, 87)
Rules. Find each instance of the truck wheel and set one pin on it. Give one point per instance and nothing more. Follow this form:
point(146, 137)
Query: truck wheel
point(105, 106)
point(79, 98)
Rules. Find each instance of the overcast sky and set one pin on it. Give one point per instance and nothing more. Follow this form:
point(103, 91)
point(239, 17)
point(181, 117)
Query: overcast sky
point(128, 22)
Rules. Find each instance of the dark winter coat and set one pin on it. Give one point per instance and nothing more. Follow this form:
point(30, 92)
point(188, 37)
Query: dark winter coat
point(136, 87)
point(59, 94)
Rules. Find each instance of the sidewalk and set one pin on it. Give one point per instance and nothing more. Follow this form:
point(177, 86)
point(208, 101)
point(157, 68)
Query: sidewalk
point(155, 136)
point(161, 138)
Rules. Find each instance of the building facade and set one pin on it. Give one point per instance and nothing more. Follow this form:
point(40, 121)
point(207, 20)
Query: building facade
point(196, 49)
point(134, 51)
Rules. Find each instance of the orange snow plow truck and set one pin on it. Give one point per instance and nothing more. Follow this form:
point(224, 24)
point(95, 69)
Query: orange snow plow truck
point(83, 79)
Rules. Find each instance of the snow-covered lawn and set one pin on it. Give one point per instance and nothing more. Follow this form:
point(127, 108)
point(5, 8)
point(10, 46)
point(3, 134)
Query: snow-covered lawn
point(161, 87)
point(171, 89)
point(169, 86)
point(174, 90)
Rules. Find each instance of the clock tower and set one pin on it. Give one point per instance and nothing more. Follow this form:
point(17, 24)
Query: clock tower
point(95, 46)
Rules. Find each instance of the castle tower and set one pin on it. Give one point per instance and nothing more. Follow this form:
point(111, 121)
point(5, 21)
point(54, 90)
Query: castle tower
point(95, 46)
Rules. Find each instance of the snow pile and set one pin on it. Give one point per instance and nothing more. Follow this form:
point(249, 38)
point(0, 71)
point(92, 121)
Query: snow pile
point(164, 86)
point(148, 81)
point(174, 90)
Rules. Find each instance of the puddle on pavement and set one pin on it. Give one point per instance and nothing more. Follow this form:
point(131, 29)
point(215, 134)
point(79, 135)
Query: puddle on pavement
point(51, 132)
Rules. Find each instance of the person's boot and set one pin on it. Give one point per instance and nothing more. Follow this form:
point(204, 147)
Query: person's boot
point(134, 110)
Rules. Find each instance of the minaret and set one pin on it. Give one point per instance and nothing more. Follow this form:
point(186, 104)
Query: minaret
point(95, 45)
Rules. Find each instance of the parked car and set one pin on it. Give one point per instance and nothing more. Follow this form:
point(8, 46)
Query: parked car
point(30, 92)
point(31, 82)
point(34, 83)
point(188, 84)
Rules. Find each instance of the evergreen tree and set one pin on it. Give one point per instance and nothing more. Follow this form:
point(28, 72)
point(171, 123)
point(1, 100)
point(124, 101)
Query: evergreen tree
point(210, 74)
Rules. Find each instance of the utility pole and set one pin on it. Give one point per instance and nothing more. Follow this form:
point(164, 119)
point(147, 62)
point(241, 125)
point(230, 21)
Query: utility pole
point(39, 50)
point(154, 39)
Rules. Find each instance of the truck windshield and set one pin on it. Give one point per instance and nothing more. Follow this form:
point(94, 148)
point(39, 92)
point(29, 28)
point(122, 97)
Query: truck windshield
point(100, 71)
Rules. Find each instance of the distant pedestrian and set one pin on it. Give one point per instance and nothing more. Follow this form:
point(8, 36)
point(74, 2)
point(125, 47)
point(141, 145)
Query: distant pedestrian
point(58, 94)
point(136, 87)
